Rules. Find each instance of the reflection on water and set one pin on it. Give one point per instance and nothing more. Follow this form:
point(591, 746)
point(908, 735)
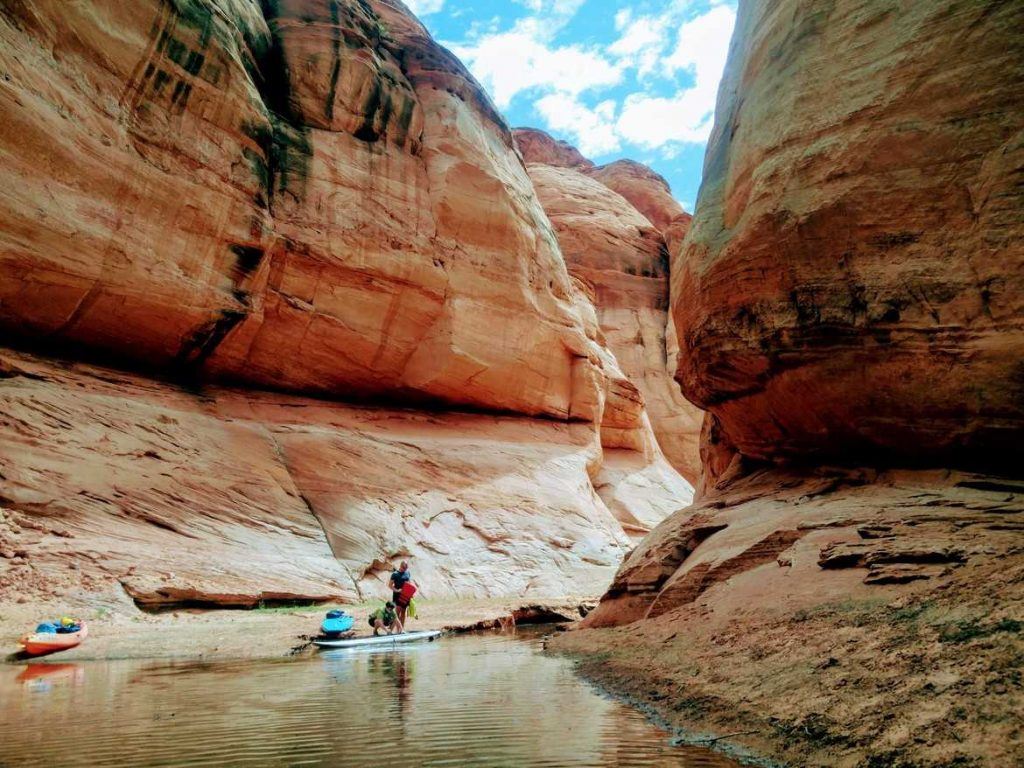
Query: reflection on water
point(482, 700)
point(41, 677)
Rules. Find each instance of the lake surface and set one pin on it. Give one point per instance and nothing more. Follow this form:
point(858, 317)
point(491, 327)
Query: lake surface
point(476, 700)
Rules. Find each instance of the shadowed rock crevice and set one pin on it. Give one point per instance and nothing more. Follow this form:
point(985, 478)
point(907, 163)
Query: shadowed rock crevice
point(170, 599)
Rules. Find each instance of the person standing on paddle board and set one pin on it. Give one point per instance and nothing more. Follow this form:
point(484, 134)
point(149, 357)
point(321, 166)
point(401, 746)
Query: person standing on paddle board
point(402, 589)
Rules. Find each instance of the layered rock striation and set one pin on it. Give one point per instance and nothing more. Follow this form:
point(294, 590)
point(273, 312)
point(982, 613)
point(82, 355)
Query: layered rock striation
point(616, 225)
point(119, 485)
point(210, 200)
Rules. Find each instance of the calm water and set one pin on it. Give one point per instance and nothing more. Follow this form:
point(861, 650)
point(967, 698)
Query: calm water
point(479, 700)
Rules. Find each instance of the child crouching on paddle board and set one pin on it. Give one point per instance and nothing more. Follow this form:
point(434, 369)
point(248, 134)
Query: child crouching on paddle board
point(385, 618)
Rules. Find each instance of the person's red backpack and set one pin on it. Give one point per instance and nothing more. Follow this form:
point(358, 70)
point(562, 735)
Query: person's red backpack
point(406, 593)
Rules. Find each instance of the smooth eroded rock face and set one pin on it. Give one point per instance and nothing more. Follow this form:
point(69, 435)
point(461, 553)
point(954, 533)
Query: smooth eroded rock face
point(852, 287)
point(850, 297)
point(115, 484)
point(620, 254)
point(309, 196)
point(650, 194)
point(305, 194)
point(850, 290)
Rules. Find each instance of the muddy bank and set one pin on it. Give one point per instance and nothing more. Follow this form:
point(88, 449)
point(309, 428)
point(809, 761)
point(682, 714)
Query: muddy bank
point(128, 633)
point(928, 680)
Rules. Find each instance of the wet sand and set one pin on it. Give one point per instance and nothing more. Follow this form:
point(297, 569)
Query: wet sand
point(204, 634)
point(924, 680)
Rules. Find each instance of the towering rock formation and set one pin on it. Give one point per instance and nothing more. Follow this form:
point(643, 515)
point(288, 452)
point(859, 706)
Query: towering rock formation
point(325, 179)
point(852, 286)
point(650, 194)
point(307, 196)
point(618, 245)
point(850, 300)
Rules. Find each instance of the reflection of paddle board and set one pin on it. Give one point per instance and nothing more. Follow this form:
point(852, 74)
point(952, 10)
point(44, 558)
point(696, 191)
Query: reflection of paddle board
point(357, 642)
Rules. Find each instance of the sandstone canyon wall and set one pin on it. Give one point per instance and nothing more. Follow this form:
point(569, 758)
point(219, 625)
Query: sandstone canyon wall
point(229, 197)
point(850, 312)
point(222, 185)
point(852, 284)
point(234, 497)
point(617, 226)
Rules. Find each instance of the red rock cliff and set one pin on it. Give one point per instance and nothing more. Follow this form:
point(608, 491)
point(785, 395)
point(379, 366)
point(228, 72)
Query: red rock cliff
point(853, 283)
point(199, 187)
point(850, 310)
point(851, 289)
point(613, 223)
point(307, 196)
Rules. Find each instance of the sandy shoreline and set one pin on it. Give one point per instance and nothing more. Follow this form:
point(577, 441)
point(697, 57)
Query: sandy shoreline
point(202, 634)
point(929, 680)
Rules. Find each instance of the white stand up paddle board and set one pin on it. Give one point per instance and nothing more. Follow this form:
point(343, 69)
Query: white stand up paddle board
point(357, 642)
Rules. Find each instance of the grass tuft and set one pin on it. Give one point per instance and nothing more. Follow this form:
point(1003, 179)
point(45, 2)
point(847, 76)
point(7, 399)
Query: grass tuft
point(972, 629)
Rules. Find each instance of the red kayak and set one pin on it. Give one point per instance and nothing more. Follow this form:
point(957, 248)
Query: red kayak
point(42, 643)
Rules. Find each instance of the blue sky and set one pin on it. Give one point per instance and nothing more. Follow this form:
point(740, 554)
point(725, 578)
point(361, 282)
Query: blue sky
point(615, 78)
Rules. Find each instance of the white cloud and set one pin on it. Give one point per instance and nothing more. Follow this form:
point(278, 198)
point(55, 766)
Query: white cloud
point(550, 15)
point(564, 79)
point(512, 62)
point(641, 42)
point(524, 58)
point(424, 7)
point(703, 45)
point(639, 35)
point(652, 121)
point(559, 9)
point(593, 130)
point(687, 116)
